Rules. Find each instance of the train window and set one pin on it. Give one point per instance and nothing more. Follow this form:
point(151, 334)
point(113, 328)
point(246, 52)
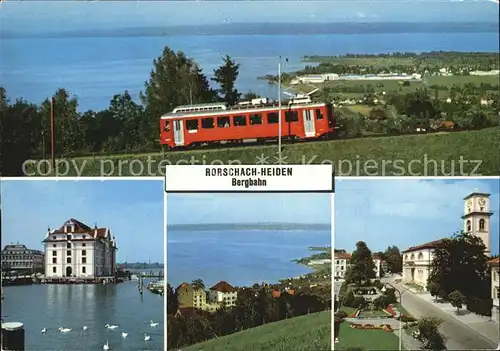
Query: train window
point(272, 117)
point(192, 124)
point(167, 126)
point(291, 116)
point(255, 119)
point(207, 123)
point(223, 122)
point(319, 115)
point(239, 121)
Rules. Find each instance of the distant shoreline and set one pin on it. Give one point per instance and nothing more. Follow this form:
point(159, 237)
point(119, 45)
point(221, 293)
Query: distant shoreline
point(227, 29)
point(249, 226)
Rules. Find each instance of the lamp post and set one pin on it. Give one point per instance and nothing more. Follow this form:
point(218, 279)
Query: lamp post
point(400, 331)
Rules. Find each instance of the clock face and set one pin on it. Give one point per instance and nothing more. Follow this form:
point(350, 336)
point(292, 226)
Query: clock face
point(482, 202)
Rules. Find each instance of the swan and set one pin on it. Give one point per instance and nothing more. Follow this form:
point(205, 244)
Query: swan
point(153, 324)
point(84, 327)
point(111, 326)
point(124, 335)
point(106, 346)
point(146, 337)
point(64, 330)
point(44, 330)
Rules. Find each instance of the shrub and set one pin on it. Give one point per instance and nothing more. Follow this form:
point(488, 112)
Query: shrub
point(341, 314)
point(406, 319)
point(358, 302)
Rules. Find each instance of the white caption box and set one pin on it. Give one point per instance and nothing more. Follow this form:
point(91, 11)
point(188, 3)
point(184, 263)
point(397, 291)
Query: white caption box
point(249, 178)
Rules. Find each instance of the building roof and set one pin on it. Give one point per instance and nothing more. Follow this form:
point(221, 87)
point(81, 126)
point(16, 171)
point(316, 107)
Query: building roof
point(476, 193)
point(377, 257)
point(429, 245)
point(81, 228)
point(494, 261)
point(342, 255)
point(223, 287)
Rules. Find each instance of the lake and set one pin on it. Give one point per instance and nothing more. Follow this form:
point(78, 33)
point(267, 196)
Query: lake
point(240, 257)
point(96, 68)
point(73, 306)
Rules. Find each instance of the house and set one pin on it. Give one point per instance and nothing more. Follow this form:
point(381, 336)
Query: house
point(341, 263)
point(189, 296)
point(380, 266)
point(417, 260)
point(79, 251)
point(223, 293)
point(495, 281)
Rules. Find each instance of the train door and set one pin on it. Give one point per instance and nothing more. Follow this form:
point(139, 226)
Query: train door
point(309, 127)
point(178, 132)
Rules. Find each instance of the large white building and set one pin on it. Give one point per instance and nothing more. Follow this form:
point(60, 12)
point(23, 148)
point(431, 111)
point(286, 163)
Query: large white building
point(417, 260)
point(79, 251)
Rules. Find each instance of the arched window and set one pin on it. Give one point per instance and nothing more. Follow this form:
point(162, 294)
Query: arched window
point(420, 256)
point(482, 224)
point(406, 257)
point(412, 257)
point(469, 226)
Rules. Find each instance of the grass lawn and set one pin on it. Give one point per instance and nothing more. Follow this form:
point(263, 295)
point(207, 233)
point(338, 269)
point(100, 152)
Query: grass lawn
point(366, 339)
point(311, 332)
point(363, 109)
point(430, 155)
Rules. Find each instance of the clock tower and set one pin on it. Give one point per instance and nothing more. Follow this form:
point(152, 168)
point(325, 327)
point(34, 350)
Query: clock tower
point(477, 217)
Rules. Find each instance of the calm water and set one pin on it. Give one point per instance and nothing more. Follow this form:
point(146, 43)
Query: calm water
point(95, 69)
point(241, 257)
point(72, 306)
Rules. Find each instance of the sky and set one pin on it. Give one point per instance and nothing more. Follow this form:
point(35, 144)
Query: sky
point(132, 210)
point(248, 208)
point(406, 213)
point(74, 15)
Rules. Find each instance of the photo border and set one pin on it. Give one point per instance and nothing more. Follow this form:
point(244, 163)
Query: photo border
point(332, 226)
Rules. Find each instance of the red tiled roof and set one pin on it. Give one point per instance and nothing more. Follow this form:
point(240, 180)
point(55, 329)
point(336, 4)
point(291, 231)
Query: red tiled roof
point(494, 260)
point(182, 285)
point(82, 228)
point(430, 245)
point(342, 255)
point(223, 286)
point(276, 293)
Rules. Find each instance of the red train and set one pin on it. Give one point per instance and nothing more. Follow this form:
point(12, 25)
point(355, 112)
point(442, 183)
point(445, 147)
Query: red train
point(256, 121)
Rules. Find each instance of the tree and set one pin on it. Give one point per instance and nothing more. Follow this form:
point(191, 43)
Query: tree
point(429, 334)
point(457, 299)
point(68, 137)
point(394, 259)
point(134, 128)
point(198, 284)
point(433, 289)
point(19, 134)
point(175, 80)
point(171, 300)
point(226, 76)
point(362, 268)
point(460, 264)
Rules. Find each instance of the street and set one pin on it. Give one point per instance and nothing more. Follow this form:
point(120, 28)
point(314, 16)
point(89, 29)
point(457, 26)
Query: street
point(458, 335)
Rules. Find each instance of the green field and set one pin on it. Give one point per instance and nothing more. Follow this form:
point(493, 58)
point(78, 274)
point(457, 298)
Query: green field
point(436, 154)
point(304, 333)
point(365, 339)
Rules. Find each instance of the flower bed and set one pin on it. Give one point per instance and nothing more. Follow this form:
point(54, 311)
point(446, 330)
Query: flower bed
point(384, 327)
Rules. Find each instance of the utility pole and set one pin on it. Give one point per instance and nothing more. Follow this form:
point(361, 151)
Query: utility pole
point(279, 111)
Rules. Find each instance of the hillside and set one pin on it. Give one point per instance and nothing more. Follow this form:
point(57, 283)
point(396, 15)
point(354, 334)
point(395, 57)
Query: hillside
point(383, 156)
point(304, 333)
